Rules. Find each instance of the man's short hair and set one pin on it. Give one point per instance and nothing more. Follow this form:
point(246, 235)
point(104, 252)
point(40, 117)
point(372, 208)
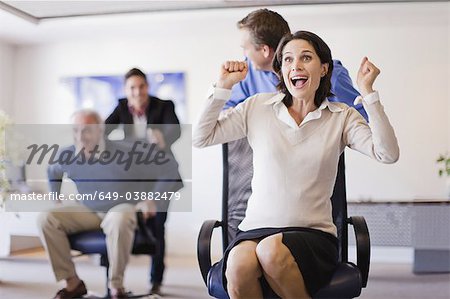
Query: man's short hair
point(135, 72)
point(88, 113)
point(266, 27)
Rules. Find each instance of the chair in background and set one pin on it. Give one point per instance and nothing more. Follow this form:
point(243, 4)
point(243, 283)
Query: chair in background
point(93, 242)
point(348, 279)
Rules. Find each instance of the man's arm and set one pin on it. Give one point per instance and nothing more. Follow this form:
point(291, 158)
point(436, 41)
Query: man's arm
point(239, 93)
point(113, 119)
point(169, 117)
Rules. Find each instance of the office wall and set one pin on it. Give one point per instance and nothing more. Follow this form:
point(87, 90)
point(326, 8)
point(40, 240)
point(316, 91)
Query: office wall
point(409, 43)
point(6, 76)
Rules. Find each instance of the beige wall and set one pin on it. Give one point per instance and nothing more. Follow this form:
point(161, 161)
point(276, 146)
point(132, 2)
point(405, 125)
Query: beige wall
point(7, 70)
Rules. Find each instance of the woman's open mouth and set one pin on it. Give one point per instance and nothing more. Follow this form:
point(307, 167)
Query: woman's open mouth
point(299, 81)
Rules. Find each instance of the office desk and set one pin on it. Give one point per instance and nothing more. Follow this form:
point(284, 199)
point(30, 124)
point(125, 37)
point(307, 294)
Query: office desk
point(421, 224)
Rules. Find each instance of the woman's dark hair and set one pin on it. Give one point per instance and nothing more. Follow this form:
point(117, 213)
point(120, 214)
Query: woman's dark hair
point(324, 53)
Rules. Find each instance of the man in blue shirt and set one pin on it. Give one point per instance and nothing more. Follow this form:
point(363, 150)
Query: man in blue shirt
point(261, 31)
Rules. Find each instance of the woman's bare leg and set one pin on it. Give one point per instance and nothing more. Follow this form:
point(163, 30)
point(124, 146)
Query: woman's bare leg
point(243, 272)
point(280, 269)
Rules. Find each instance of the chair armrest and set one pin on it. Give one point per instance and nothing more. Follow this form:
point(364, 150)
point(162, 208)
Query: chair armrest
point(362, 246)
point(204, 246)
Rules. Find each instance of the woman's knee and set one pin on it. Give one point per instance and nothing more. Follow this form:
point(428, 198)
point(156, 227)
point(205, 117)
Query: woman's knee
point(273, 255)
point(242, 265)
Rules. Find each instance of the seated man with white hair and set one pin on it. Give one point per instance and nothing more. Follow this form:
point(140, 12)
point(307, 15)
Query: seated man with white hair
point(116, 170)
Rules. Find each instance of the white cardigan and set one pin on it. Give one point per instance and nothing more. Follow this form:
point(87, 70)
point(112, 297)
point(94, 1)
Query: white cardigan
point(295, 166)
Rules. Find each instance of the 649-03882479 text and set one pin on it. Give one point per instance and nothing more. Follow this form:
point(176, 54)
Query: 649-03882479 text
point(102, 196)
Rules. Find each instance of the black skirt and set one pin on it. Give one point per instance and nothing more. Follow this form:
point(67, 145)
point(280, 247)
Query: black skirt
point(315, 252)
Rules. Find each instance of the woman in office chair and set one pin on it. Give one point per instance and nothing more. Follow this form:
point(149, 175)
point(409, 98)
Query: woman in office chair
point(297, 136)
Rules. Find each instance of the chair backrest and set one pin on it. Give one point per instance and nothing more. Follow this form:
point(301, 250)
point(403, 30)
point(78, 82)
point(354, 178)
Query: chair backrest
point(236, 189)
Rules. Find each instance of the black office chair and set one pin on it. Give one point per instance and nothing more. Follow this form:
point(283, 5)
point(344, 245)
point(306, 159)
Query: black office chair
point(348, 279)
point(93, 242)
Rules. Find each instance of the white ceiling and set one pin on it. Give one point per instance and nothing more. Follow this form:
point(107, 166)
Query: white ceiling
point(40, 10)
point(33, 22)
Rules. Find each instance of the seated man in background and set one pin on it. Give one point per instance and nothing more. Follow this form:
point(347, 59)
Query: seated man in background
point(90, 165)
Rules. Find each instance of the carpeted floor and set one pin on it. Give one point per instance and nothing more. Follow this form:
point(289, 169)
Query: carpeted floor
point(30, 276)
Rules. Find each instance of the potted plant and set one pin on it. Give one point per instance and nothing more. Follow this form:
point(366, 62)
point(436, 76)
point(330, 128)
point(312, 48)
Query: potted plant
point(444, 169)
point(4, 184)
